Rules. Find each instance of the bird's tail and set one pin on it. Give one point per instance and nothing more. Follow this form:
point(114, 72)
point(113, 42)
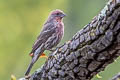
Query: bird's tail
point(34, 59)
point(29, 69)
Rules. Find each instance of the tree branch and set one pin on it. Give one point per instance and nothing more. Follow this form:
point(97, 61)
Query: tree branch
point(89, 51)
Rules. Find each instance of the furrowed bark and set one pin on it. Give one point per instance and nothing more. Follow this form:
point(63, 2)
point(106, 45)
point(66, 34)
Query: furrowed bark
point(89, 51)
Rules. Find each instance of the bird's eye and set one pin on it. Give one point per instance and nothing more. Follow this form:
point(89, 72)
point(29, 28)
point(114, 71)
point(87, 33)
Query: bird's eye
point(58, 14)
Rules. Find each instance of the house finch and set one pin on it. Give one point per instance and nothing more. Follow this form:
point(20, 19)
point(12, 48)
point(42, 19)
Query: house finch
point(50, 36)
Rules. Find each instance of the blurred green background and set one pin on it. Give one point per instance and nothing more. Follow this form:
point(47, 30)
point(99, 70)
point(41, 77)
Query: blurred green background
point(21, 22)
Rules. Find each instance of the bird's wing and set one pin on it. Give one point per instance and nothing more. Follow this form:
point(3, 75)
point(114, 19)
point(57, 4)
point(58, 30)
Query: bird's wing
point(46, 32)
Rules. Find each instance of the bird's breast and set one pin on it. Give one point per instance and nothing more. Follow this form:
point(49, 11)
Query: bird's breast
point(60, 29)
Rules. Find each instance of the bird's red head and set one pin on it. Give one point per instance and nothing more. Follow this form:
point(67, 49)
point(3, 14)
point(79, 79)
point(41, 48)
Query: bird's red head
point(57, 14)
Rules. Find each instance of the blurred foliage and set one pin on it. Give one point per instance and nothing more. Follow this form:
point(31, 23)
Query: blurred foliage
point(21, 22)
point(13, 77)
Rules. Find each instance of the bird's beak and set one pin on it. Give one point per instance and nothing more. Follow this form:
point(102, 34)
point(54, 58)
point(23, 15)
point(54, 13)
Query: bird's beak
point(63, 15)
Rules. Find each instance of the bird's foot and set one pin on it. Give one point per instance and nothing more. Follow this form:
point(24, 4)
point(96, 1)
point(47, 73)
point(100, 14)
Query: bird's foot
point(44, 56)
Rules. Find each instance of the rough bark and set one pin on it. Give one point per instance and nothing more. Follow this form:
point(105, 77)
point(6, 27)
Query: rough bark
point(89, 51)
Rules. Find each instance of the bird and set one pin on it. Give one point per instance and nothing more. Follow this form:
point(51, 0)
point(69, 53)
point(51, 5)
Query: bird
point(50, 36)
